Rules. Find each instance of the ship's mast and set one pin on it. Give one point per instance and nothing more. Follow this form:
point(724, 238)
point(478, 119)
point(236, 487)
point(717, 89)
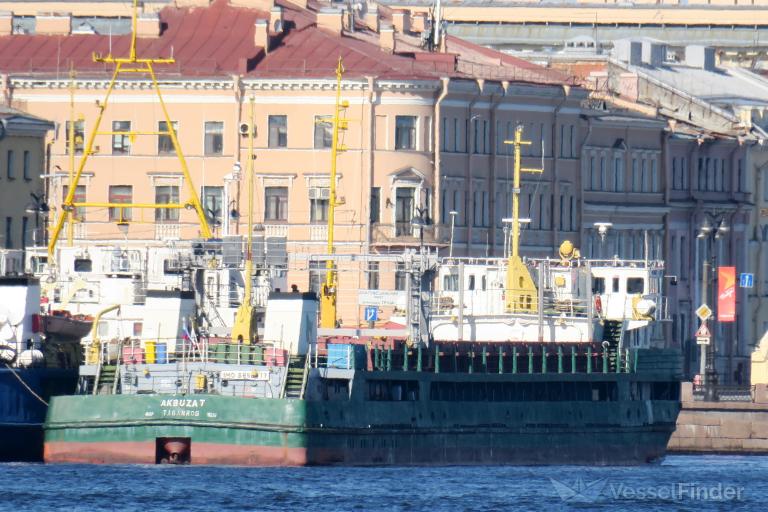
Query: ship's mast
point(521, 293)
point(71, 144)
point(328, 290)
point(242, 329)
point(141, 66)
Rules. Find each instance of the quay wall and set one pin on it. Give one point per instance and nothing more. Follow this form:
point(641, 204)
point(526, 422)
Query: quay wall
point(722, 427)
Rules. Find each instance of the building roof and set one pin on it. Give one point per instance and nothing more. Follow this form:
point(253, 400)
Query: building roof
point(16, 122)
point(218, 40)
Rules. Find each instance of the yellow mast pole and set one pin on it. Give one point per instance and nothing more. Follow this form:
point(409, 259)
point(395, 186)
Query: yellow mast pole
point(521, 291)
point(328, 292)
point(70, 213)
point(242, 329)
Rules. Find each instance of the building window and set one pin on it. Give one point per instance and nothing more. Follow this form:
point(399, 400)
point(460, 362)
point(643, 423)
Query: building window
point(602, 173)
point(456, 135)
point(654, 176)
point(10, 165)
point(79, 137)
point(323, 132)
point(373, 275)
point(276, 204)
point(317, 270)
point(164, 142)
point(676, 185)
point(166, 194)
point(405, 132)
point(213, 199)
point(214, 137)
point(278, 131)
point(121, 139)
point(24, 227)
point(8, 232)
point(618, 175)
point(635, 176)
point(404, 203)
point(375, 205)
point(401, 277)
point(26, 168)
point(79, 197)
point(318, 204)
point(740, 175)
point(592, 174)
point(122, 194)
point(571, 145)
point(444, 134)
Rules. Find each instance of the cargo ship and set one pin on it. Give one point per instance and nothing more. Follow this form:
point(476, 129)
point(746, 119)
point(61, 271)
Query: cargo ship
point(494, 361)
point(39, 358)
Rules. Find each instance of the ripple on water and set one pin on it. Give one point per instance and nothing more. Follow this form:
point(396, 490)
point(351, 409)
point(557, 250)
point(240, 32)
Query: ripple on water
point(74, 488)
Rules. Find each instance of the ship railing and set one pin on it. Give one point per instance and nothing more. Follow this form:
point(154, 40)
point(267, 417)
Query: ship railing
point(480, 303)
point(492, 358)
point(534, 262)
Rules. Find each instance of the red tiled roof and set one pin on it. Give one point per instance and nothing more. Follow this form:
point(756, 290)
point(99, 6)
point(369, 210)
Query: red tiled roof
point(218, 40)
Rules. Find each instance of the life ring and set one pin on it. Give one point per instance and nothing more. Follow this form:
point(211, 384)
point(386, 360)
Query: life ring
point(598, 305)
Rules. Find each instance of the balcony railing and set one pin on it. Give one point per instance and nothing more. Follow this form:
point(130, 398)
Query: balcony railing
point(405, 233)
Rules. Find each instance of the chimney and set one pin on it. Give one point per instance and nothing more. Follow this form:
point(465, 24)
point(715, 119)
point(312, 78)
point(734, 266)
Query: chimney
point(401, 20)
point(371, 16)
point(148, 25)
point(6, 23)
point(276, 20)
point(654, 53)
point(387, 38)
point(261, 34)
point(53, 23)
point(330, 19)
point(419, 22)
point(702, 57)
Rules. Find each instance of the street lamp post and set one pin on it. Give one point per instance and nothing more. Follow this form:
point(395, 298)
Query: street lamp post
point(712, 229)
point(453, 214)
point(602, 230)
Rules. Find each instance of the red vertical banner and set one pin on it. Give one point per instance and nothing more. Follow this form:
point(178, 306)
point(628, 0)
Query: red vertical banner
point(726, 294)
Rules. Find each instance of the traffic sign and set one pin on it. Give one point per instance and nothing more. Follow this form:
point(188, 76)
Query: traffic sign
point(703, 331)
point(746, 280)
point(702, 340)
point(371, 314)
point(703, 312)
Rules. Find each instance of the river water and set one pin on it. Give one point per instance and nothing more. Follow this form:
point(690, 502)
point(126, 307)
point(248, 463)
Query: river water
point(699, 483)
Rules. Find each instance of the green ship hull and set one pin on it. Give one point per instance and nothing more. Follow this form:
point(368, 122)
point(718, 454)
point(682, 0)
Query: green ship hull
point(441, 418)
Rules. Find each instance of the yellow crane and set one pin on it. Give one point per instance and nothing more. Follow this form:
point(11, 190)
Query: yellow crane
point(133, 65)
point(329, 287)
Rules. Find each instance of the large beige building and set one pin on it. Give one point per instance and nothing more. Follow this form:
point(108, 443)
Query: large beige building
point(22, 195)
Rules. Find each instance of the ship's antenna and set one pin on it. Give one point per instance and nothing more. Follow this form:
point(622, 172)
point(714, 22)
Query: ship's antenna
point(143, 66)
point(328, 291)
